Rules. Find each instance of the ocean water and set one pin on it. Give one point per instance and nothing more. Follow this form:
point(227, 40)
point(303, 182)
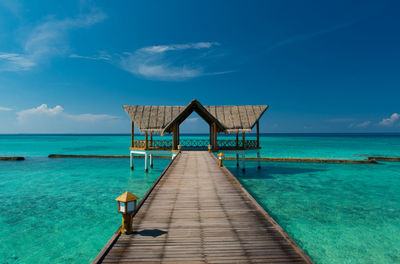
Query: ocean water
point(338, 213)
point(340, 146)
point(63, 210)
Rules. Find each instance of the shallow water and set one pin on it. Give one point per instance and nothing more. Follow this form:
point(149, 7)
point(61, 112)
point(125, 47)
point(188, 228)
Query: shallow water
point(338, 213)
point(63, 210)
point(346, 146)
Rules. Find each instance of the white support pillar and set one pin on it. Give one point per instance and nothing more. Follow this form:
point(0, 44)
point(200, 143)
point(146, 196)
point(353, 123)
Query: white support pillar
point(243, 160)
point(258, 160)
point(146, 163)
point(237, 159)
point(151, 160)
point(131, 161)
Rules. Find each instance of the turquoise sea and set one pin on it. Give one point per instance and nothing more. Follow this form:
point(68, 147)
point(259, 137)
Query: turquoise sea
point(63, 210)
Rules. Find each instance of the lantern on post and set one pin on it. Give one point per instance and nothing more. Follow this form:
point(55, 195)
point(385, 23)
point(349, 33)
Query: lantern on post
point(127, 204)
point(220, 159)
point(179, 148)
point(209, 148)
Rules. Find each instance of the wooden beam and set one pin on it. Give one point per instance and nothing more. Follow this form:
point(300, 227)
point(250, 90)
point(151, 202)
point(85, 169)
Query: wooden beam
point(215, 143)
point(174, 137)
point(151, 139)
point(177, 135)
point(145, 141)
point(258, 135)
point(210, 134)
point(237, 139)
point(244, 140)
point(132, 134)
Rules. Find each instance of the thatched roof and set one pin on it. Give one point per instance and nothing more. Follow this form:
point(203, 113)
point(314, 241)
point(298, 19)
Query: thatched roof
point(229, 119)
point(237, 118)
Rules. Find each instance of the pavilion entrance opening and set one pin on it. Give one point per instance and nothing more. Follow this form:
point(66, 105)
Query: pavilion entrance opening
point(194, 133)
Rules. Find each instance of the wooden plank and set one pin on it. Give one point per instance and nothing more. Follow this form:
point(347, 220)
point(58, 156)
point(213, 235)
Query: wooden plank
point(199, 213)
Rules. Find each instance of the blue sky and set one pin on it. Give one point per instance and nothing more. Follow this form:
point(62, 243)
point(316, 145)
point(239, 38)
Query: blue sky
point(68, 66)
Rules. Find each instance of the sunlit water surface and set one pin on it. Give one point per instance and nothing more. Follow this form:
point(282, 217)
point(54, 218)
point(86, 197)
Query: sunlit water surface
point(63, 210)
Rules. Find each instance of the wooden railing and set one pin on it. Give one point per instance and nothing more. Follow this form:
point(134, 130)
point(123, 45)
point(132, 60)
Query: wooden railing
point(222, 144)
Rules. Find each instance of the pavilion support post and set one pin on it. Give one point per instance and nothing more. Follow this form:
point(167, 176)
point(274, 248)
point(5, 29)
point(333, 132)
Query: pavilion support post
point(131, 160)
point(215, 143)
point(244, 140)
point(146, 162)
point(146, 141)
point(258, 160)
point(237, 159)
point(174, 145)
point(151, 139)
point(211, 135)
point(237, 139)
point(132, 134)
point(258, 135)
point(177, 134)
point(151, 160)
point(243, 160)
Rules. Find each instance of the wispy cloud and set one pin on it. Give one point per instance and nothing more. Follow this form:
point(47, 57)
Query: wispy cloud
point(91, 117)
point(302, 37)
point(55, 119)
point(393, 119)
point(103, 56)
point(164, 48)
point(153, 62)
point(2, 108)
point(44, 111)
point(40, 110)
point(340, 120)
point(192, 119)
point(360, 125)
point(13, 6)
point(175, 62)
point(46, 40)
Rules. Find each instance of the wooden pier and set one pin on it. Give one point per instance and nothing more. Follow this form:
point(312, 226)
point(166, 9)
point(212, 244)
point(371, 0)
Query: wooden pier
point(199, 213)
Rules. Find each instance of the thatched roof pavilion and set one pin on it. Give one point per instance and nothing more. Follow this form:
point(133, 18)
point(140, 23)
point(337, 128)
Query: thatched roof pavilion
point(221, 119)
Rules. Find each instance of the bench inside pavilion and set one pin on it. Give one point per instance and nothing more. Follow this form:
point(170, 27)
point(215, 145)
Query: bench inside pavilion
point(161, 120)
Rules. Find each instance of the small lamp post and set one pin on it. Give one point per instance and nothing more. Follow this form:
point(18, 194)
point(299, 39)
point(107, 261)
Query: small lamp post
point(220, 159)
point(209, 148)
point(127, 204)
point(179, 148)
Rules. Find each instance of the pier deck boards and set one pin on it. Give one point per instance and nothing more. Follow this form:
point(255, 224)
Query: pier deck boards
point(199, 213)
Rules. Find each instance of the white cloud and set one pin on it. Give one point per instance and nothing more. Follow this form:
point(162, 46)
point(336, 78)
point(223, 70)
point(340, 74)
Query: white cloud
point(164, 48)
point(2, 108)
point(45, 111)
point(40, 110)
point(46, 40)
point(360, 125)
point(175, 62)
point(307, 36)
point(91, 117)
point(340, 120)
point(390, 121)
point(153, 62)
point(12, 6)
point(15, 62)
point(102, 56)
point(55, 119)
point(192, 119)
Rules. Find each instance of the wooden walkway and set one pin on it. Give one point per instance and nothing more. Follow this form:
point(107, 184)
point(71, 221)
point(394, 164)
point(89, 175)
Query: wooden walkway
point(199, 213)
